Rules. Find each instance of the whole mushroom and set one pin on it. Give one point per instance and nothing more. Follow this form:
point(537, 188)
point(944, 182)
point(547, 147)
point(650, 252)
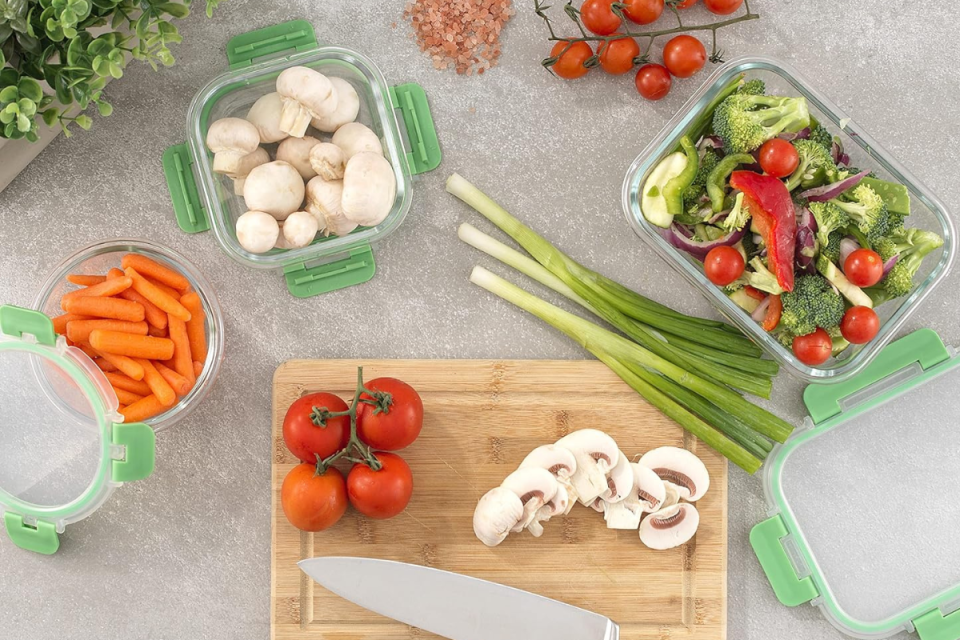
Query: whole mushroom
point(265, 116)
point(276, 188)
point(257, 231)
point(682, 468)
point(248, 163)
point(369, 189)
point(231, 139)
point(299, 229)
point(305, 94)
point(496, 515)
point(328, 161)
point(348, 106)
point(355, 138)
point(296, 151)
point(323, 202)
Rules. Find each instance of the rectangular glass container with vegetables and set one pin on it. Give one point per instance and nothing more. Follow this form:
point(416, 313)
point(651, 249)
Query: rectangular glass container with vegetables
point(787, 255)
point(207, 193)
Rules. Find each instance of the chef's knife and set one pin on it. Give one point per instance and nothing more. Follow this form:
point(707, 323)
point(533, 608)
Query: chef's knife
point(453, 605)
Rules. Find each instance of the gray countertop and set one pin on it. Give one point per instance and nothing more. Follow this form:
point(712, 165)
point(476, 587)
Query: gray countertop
point(186, 553)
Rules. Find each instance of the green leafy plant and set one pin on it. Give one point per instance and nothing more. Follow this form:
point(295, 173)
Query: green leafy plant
point(74, 46)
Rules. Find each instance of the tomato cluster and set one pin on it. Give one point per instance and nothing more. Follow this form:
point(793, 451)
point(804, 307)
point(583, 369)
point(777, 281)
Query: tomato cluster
point(321, 429)
point(683, 55)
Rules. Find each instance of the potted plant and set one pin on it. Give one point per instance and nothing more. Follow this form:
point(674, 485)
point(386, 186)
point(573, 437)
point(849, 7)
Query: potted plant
point(56, 56)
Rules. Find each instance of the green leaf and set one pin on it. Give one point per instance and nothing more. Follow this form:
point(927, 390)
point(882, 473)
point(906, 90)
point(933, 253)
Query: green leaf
point(9, 77)
point(46, 101)
point(115, 70)
point(174, 9)
point(3, 60)
point(27, 107)
point(32, 136)
point(24, 123)
point(99, 47)
point(62, 88)
point(101, 66)
point(105, 108)
point(116, 57)
point(7, 118)
point(165, 57)
point(30, 88)
point(10, 94)
point(75, 51)
point(11, 131)
point(84, 122)
point(50, 116)
point(143, 22)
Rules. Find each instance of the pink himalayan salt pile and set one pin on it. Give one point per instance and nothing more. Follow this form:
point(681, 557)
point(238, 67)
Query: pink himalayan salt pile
point(463, 34)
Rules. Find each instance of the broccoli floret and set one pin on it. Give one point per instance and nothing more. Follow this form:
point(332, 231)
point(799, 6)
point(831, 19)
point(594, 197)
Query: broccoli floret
point(912, 246)
point(832, 249)
point(738, 217)
point(886, 247)
point(753, 87)
point(783, 335)
point(762, 278)
point(816, 165)
point(812, 303)
point(746, 121)
point(865, 207)
point(749, 246)
point(830, 218)
point(821, 136)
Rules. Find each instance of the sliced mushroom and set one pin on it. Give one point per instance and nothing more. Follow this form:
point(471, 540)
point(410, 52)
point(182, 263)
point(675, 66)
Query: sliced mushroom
point(296, 151)
point(328, 161)
point(348, 106)
point(355, 138)
point(558, 461)
point(369, 189)
point(275, 187)
point(625, 514)
point(670, 527)
point(619, 481)
point(305, 94)
point(680, 467)
point(535, 487)
point(597, 505)
point(596, 454)
point(671, 496)
point(323, 201)
point(265, 116)
point(248, 163)
point(497, 513)
point(651, 490)
point(557, 506)
point(231, 139)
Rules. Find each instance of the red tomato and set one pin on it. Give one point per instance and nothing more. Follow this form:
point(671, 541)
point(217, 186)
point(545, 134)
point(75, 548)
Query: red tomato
point(384, 493)
point(774, 311)
point(814, 348)
point(863, 268)
point(569, 65)
point(860, 325)
point(643, 11)
point(307, 440)
point(723, 265)
point(653, 81)
point(311, 501)
point(722, 7)
point(686, 4)
point(616, 56)
point(598, 17)
point(397, 418)
point(684, 55)
point(778, 158)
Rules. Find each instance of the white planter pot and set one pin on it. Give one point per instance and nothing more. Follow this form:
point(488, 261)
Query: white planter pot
point(15, 155)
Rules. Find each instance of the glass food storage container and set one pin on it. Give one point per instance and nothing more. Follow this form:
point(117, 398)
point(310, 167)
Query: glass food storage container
point(927, 212)
point(399, 115)
point(861, 501)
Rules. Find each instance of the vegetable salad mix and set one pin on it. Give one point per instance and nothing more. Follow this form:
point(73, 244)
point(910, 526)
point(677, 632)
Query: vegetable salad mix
point(808, 245)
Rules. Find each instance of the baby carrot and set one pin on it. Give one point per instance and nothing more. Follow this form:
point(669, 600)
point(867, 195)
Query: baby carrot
point(197, 368)
point(158, 333)
point(105, 288)
point(126, 397)
point(142, 409)
point(155, 317)
point(120, 381)
point(130, 344)
point(106, 308)
point(114, 273)
point(155, 271)
point(85, 280)
point(60, 322)
point(196, 331)
point(87, 349)
point(79, 330)
point(159, 387)
point(180, 385)
point(126, 365)
point(152, 293)
point(182, 359)
point(104, 365)
point(170, 291)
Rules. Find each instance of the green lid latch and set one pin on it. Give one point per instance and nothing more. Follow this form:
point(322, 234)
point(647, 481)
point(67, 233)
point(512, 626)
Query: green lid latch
point(178, 170)
point(424, 154)
point(767, 541)
point(936, 626)
point(305, 282)
point(41, 538)
point(270, 42)
point(16, 321)
point(139, 441)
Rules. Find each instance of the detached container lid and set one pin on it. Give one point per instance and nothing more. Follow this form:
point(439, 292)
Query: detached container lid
point(63, 447)
point(865, 502)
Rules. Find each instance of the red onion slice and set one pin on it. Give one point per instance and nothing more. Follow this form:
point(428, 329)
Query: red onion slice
point(828, 191)
point(889, 264)
point(803, 134)
point(761, 311)
point(847, 246)
point(699, 250)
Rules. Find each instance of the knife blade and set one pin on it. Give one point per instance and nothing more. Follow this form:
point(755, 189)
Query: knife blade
point(453, 605)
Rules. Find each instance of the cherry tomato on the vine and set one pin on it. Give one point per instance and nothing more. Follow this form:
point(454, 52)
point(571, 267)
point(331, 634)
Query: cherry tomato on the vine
point(569, 65)
point(722, 7)
point(616, 56)
point(396, 419)
point(860, 325)
point(384, 493)
point(653, 81)
point(814, 348)
point(643, 11)
point(778, 158)
point(863, 268)
point(312, 501)
point(684, 55)
point(306, 439)
point(598, 17)
point(723, 265)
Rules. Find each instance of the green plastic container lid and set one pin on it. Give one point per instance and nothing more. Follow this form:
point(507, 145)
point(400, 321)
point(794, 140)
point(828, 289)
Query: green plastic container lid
point(63, 446)
point(863, 502)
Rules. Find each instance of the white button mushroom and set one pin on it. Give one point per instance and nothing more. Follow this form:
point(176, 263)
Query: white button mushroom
point(265, 116)
point(651, 490)
point(296, 151)
point(671, 495)
point(497, 513)
point(369, 189)
point(535, 487)
point(355, 138)
point(680, 467)
point(619, 481)
point(670, 527)
point(305, 94)
point(328, 161)
point(275, 187)
point(248, 163)
point(646, 495)
point(348, 106)
point(596, 454)
point(231, 139)
point(555, 507)
point(299, 229)
point(323, 202)
point(558, 461)
point(257, 231)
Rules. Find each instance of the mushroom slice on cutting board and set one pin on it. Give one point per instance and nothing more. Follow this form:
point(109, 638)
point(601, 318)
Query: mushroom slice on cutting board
point(596, 454)
point(645, 496)
point(560, 462)
point(670, 527)
point(651, 490)
point(535, 488)
point(672, 495)
point(619, 481)
point(497, 513)
point(556, 507)
point(680, 467)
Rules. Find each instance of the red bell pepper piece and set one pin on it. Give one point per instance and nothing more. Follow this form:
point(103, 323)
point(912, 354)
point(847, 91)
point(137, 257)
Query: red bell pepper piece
point(756, 294)
point(774, 311)
point(769, 202)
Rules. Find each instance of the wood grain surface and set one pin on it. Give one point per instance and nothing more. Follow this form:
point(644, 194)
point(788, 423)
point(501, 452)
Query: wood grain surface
point(481, 418)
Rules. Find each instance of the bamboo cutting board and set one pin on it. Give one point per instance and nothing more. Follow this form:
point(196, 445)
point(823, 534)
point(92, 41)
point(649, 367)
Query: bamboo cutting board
point(481, 418)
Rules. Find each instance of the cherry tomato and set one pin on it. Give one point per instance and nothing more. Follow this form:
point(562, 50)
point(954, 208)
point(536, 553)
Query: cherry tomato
point(311, 501)
point(860, 325)
point(813, 348)
point(723, 265)
point(684, 55)
point(863, 268)
point(643, 11)
point(778, 158)
point(397, 418)
point(722, 7)
point(616, 56)
point(598, 17)
point(653, 81)
point(570, 63)
point(384, 493)
point(686, 4)
point(307, 440)
point(774, 311)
